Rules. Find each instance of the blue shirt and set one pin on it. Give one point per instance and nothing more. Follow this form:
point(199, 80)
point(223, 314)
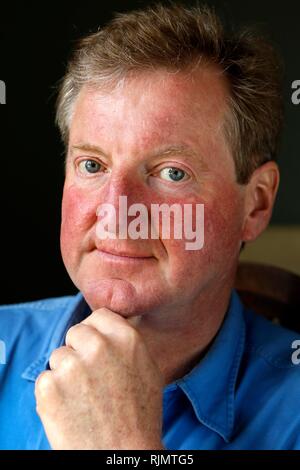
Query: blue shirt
point(243, 394)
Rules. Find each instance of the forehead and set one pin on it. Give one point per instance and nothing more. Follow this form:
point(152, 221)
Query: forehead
point(147, 109)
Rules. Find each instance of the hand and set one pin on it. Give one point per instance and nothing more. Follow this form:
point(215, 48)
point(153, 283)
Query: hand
point(103, 391)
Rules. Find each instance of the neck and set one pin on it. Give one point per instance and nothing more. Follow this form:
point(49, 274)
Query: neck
point(178, 339)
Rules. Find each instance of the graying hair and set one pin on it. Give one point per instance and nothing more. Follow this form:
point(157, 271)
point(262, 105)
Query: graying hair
point(176, 38)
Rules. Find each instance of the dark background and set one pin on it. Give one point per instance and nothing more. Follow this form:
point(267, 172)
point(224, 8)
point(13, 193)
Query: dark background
point(35, 41)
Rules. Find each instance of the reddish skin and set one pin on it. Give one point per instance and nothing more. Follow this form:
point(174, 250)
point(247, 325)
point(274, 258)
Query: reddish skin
point(176, 300)
point(129, 126)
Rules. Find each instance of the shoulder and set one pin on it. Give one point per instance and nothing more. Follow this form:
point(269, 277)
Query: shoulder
point(21, 313)
point(270, 365)
point(270, 342)
point(35, 306)
point(27, 330)
point(269, 383)
point(35, 319)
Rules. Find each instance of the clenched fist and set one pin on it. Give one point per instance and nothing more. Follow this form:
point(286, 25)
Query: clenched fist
point(103, 391)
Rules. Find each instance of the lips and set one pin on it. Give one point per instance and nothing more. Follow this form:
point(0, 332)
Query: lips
point(136, 251)
point(124, 254)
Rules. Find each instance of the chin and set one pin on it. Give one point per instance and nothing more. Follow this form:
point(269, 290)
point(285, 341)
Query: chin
point(118, 295)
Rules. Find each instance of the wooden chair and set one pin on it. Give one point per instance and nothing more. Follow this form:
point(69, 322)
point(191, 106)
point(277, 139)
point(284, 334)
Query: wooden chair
point(270, 291)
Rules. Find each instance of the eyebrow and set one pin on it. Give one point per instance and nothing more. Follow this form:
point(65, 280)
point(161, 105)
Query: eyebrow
point(179, 150)
point(174, 150)
point(88, 148)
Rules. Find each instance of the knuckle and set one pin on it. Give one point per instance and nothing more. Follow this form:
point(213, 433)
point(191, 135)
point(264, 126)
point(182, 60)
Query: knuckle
point(57, 357)
point(97, 344)
point(44, 384)
point(97, 315)
point(46, 393)
point(69, 363)
point(54, 357)
point(71, 332)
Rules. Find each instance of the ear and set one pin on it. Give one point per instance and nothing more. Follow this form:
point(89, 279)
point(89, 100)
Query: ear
point(260, 194)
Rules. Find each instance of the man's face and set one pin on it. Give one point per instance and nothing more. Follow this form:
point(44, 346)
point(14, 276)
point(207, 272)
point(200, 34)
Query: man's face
point(123, 143)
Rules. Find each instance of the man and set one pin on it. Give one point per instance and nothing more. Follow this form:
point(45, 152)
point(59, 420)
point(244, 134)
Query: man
point(156, 350)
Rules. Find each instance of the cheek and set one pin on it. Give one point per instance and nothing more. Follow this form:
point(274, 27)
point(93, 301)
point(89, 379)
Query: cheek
point(222, 234)
point(78, 215)
point(224, 225)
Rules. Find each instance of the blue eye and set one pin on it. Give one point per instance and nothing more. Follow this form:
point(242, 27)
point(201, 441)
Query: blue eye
point(172, 174)
point(90, 166)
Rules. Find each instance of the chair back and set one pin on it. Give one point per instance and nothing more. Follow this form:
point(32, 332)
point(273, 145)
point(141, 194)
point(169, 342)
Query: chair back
point(270, 291)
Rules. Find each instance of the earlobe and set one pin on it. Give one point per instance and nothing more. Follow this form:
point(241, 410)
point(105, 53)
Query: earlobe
point(260, 196)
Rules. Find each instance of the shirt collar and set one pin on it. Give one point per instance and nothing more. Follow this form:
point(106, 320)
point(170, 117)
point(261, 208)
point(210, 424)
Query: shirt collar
point(75, 312)
point(210, 385)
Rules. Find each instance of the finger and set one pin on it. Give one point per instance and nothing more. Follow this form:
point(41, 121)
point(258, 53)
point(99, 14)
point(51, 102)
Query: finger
point(108, 323)
point(48, 394)
point(43, 380)
point(45, 387)
point(84, 338)
point(59, 356)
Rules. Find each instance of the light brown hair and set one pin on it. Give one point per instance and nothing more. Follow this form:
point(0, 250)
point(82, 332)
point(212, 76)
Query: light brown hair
point(177, 38)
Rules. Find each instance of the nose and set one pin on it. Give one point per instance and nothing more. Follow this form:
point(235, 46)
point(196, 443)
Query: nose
point(127, 183)
point(121, 191)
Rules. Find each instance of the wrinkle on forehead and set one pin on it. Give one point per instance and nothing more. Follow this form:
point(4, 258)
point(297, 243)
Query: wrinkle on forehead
point(152, 107)
point(206, 81)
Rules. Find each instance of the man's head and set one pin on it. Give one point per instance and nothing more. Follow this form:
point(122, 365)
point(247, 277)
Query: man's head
point(158, 89)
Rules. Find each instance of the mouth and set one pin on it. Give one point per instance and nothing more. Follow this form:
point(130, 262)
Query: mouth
point(124, 256)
